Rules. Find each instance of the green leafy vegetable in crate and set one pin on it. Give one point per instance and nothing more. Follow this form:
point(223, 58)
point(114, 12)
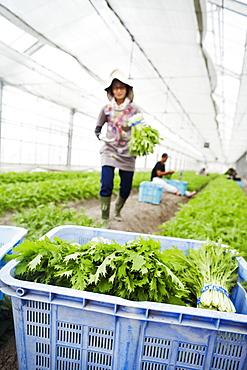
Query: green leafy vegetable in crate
point(143, 137)
point(137, 270)
point(209, 272)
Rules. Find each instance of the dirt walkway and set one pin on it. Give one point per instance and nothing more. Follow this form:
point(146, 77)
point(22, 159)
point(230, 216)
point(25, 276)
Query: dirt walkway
point(138, 216)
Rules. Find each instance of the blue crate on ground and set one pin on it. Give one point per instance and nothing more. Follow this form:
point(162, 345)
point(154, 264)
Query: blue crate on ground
point(9, 237)
point(150, 192)
point(240, 183)
point(180, 185)
point(60, 328)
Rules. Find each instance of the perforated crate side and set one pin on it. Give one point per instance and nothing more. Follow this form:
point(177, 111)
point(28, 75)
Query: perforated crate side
point(150, 192)
point(180, 185)
point(54, 336)
point(10, 236)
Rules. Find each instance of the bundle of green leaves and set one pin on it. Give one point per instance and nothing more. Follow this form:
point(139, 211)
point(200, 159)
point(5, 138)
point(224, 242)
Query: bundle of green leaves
point(209, 273)
point(137, 270)
point(143, 137)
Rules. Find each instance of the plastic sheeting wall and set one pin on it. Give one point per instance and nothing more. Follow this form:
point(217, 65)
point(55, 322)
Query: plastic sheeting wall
point(241, 166)
point(185, 59)
point(36, 133)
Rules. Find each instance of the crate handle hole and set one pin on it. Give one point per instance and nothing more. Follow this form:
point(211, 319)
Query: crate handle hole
point(21, 292)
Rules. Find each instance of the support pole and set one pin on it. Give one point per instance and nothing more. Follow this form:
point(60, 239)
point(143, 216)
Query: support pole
point(70, 135)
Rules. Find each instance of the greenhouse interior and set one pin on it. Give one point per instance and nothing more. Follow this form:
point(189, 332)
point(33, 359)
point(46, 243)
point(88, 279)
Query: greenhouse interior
point(185, 59)
point(123, 182)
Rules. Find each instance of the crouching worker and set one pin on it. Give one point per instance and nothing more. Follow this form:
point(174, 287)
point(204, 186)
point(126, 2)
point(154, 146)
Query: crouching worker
point(156, 176)
point(115, 151)
point(232, 174)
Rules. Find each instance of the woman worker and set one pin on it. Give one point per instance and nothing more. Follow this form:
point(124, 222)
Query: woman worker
point(115, 151)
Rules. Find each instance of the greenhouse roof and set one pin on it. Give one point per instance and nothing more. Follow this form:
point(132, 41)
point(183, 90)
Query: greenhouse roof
point(185, 59)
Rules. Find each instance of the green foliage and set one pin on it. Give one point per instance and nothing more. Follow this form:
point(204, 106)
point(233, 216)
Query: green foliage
point(218, 212)
point(38, 221)
point(31, 194)
point(211, 264)
point(139, 177)
point(36, 198)
point(213, 176)
point(195, 182)
point(22, 190)
point(17, 177)
point(137, 270)
point(143, 140)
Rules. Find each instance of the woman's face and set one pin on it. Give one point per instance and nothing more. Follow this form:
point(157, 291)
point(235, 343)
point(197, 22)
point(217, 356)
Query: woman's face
point(119, 91)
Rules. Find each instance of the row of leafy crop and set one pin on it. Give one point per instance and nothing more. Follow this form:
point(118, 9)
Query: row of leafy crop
point(20, 194)
point(41, 219)
point(195, 182)
point(218, 212)
point(17, 177)
point(41, 205)
point(17, 196)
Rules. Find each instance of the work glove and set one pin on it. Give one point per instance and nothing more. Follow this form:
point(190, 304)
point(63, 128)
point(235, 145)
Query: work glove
point(105, 139)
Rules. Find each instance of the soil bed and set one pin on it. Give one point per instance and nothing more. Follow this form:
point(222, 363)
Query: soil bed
point(138, 216)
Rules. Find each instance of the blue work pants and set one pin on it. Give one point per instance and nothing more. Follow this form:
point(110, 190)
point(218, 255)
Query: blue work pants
point(107, 177)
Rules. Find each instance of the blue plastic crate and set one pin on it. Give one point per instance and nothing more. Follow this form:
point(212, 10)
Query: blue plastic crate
point(9, 237)
point(180, 185)
point(60, 328)
point(240, 183)
point(150, 192)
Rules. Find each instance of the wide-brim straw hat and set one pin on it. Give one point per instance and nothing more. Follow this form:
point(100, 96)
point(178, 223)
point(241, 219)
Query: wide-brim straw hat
point(118, 75)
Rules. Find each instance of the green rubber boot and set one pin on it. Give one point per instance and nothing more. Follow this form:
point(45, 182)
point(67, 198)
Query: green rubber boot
point(118, 206)
point(105, 203)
